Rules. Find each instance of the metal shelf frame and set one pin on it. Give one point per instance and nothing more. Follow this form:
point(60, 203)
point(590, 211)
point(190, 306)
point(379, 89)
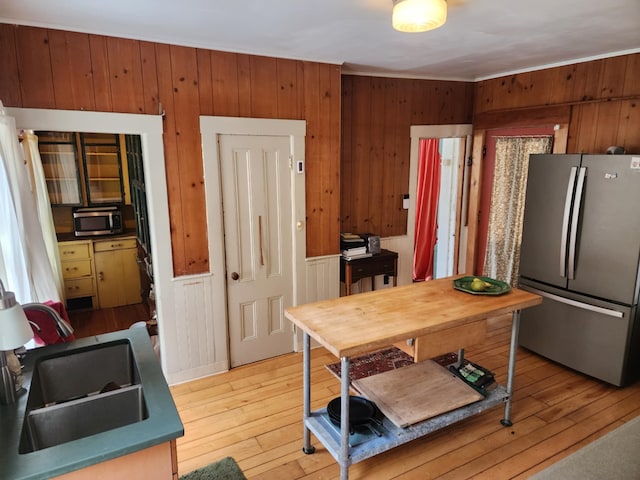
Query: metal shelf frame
point(337, 443)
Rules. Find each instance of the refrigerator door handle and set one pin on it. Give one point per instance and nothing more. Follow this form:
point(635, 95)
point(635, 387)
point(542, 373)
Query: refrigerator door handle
point(565, 222)
point(573, 303)
point(577, 202)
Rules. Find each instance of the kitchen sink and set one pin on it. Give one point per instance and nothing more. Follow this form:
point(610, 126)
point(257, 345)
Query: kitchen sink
point(61, 423)
point(80, 372)
point(82, 392)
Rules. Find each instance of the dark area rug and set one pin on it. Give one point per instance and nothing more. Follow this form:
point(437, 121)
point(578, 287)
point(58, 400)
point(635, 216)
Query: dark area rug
point(225, 469)
point(383, 361)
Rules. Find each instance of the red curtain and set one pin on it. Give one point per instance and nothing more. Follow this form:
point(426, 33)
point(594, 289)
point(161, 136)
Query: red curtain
point(426, 209)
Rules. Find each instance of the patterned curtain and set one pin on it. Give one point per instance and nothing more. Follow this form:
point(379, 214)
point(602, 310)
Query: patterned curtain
point(504, 234)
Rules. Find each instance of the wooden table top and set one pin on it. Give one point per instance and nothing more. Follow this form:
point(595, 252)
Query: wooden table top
point(353, 325)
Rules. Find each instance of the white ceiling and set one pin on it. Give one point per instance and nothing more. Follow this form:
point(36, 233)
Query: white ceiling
point(481, 39)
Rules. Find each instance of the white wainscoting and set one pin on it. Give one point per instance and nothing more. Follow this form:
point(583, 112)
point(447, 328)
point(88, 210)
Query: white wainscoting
point(199, 341)
point(323, 278)
point(322, 283)
point(197, 338)
point(403, 245)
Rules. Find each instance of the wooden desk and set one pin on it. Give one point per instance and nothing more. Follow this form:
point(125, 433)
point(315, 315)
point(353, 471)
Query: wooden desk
point(353, 325)
point(383, 263)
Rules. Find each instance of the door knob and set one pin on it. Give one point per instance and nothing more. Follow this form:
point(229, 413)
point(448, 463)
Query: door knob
point(235, 276)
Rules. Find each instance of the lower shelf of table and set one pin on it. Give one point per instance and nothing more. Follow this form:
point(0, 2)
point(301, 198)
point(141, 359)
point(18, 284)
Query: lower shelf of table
point(391, 436)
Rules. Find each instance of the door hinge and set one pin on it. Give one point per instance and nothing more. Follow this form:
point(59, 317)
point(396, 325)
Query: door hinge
point(290, 162)
point(484, 151)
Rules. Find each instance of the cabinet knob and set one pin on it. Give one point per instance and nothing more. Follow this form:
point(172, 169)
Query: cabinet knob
point(100, 276)
point(235, 276)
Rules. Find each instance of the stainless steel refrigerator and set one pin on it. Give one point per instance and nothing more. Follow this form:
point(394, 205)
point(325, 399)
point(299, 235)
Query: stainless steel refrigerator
point(581, 252)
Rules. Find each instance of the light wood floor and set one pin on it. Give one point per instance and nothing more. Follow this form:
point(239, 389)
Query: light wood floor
point(253, 414)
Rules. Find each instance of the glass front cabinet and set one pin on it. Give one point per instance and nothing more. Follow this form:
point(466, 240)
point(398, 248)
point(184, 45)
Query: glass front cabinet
point(83, 168)
point(59, 155)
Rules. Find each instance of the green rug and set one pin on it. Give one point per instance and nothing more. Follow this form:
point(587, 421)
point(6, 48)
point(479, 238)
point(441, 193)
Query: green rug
point(225, 469)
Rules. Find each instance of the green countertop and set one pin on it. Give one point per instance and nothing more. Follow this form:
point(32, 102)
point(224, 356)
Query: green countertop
point(163, 422)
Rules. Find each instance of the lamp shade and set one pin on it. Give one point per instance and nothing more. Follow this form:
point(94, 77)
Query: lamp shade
point(418, 15)
point(15, 330)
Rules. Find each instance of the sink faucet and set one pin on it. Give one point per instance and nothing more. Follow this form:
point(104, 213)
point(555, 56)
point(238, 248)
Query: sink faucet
point(63, 327)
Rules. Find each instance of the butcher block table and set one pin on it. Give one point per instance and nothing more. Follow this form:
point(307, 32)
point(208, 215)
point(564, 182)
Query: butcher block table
point(358, 324)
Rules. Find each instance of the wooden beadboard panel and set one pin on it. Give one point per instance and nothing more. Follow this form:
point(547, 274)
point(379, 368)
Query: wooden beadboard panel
point(71, 68)
point(628, 129)
point(322, 113)
point(10, 78)
point(289, 89)
point(205, 81)
point(149, 78)
point(101, 75)
point(36, 81)
point(525, 117)
point(596, 126)
point(596, 80)
point(193, 237)
point(125, 75)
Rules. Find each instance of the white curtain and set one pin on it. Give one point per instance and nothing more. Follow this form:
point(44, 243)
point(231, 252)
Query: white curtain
point(24, 263)
point(43, 206)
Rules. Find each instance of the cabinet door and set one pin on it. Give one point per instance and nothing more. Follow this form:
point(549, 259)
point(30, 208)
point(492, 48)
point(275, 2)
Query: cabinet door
point(103, 168)
point(118, 276)
point(59, 162)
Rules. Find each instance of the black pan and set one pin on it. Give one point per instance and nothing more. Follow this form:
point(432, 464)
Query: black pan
point(361, 411)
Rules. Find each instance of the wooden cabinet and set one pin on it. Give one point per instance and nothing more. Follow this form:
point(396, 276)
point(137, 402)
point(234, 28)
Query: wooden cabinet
point(158, 462)
point(76, 259)
point(102, 164)
point(117, 272)
point(84, 168)
point(59, 156)
point(383, 263)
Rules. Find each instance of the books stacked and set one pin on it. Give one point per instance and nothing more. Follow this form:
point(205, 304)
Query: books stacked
point(353, 246)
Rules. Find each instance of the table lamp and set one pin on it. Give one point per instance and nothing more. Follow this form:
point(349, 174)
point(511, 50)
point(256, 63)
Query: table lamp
point(15, 331)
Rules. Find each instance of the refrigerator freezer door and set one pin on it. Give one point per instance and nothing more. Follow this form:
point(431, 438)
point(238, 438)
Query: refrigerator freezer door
point(608, 245)
point(546, 217)
point(589, 336)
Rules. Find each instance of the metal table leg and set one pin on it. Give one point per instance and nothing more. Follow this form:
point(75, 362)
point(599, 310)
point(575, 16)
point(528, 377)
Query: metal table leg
point(306, 392)
point(515, 328)
point(344, 421)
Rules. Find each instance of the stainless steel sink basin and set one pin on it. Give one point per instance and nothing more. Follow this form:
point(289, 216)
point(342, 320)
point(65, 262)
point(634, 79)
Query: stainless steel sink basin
point(80, 372)
point(82, 392)
point(49, 426)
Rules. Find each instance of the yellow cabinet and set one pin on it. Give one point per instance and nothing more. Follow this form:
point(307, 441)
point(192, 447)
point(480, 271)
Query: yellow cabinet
point(117, 272)
point(76, 259)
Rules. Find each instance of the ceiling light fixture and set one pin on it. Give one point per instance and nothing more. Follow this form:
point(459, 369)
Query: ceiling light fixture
point(418, 15)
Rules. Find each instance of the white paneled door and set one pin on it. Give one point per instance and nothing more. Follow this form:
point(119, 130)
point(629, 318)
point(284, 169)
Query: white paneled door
point(256, 192)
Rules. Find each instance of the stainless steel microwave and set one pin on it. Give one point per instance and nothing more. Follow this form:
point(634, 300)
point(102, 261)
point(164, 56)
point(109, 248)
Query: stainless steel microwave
point(93, 221)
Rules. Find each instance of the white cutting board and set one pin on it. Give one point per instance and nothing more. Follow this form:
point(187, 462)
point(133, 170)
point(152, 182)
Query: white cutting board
point(416, 392)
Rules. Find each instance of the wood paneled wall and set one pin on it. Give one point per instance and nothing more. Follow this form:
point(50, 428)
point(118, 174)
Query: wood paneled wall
point(353, 185)
point(601, 97)
point(44, 68)
point(377, 114)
